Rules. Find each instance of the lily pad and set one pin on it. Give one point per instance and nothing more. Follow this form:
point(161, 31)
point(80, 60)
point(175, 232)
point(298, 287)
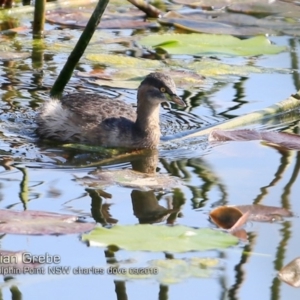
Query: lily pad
point(38, 222)
point(122, 61)
point(196, 44)
point(201, 24)
point(130, 78)
point(160, 238)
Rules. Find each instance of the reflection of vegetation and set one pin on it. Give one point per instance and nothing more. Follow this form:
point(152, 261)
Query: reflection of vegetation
point(285, 198)
point(24, 187)
point(239, 272)
point(204, 172)
point(15, 293)
point(286, 231)
point(280, 256)
point(240, 94)
point(284, 164)
point(294, 62)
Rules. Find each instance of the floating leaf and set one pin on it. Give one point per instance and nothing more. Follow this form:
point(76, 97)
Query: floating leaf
point(227, 216)
point(38, 222)
point(15, 260)
point(160, 238)
point(291, 273)
point(264, 213)
point(130, 178)
point(204, 25)
point(74, 18)
point(122, 61)
point(284, 139)
point(11, 55)
point(195, 44)
point(130, 78)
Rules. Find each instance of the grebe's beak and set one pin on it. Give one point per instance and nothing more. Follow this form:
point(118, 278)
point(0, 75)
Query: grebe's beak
point(174, 98)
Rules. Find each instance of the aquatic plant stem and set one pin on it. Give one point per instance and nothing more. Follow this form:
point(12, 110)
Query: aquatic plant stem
point(39, 18)
point(150, 10)
point(79, 49)
point(272, 111)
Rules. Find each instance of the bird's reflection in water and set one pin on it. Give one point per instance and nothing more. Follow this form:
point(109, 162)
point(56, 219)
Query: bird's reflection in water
point(147, 209)
point(145, 204)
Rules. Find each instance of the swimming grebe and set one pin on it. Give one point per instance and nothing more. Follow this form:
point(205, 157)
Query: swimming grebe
point(97, 120)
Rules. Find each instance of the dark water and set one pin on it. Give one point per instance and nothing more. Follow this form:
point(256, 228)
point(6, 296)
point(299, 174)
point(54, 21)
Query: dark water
point(45, 177)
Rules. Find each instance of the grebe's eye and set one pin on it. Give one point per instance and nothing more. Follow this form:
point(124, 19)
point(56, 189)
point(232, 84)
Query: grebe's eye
point(163, 90)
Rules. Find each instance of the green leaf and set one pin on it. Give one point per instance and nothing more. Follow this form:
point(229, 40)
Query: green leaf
point(195, 44)
point(160, 238)
point(122, 61)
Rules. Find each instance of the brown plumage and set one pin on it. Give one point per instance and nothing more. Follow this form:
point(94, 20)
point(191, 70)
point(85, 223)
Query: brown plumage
point(98, 120)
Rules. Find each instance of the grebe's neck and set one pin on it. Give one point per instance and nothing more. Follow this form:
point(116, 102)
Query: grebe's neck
point(147, 122)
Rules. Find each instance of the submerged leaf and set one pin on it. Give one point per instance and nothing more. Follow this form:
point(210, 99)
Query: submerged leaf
point(168, 271)
point(160, 238)
point(38, 222)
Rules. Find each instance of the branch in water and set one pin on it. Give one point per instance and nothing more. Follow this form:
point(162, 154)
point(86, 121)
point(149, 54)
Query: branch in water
point(148, 9)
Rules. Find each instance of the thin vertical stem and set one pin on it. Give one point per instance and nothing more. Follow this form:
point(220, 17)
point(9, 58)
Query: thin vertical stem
point(79, 49)
point(39, 18)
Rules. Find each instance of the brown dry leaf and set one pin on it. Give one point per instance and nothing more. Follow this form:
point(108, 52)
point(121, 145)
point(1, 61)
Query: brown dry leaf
point(78, 19)
point(203, 24)
point(291, 273)
point(41, 223)
point(261, 9)
point(283, 139)
point(264, 213)
point(249, 18)
point(240, 222)
point(233, 218)
point(225, 216)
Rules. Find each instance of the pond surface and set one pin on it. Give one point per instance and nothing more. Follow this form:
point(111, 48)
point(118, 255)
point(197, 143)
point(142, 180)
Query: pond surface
point(40, 176)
